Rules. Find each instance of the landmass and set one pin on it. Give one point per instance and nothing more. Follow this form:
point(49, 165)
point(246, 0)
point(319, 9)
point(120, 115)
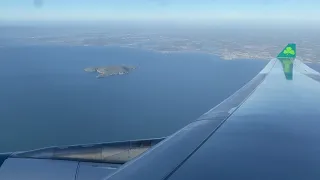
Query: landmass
point(105, 71)
point(229, 43)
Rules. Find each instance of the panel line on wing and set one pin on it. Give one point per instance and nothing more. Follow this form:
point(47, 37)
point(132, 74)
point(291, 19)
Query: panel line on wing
point(77, 171)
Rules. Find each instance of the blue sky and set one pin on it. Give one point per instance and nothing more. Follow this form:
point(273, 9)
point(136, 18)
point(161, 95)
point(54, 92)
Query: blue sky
point(188, 10)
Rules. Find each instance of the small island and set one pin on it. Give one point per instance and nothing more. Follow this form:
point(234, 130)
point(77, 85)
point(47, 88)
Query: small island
point(105, 71)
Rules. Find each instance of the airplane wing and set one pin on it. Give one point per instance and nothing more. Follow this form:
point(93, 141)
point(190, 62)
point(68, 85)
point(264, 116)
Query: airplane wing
point(268, 129)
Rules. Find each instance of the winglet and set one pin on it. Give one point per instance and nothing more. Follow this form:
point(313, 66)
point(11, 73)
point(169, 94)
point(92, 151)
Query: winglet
point(288, 52)
point(286, 57)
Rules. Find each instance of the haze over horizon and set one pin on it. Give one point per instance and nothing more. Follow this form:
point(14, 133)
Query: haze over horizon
point(261, 11)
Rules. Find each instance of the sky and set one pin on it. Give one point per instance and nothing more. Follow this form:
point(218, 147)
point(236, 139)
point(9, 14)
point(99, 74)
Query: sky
point(187, 10)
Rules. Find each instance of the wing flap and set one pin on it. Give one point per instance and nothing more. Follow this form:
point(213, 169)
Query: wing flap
point(112, 152)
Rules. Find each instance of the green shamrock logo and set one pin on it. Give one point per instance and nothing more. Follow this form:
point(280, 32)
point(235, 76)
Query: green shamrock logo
point(289, 50)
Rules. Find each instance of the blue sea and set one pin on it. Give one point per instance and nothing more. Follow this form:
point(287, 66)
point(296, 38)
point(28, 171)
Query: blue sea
point(47, 99)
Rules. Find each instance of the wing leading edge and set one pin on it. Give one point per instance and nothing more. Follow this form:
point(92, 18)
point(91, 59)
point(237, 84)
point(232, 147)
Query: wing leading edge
point(274, 134)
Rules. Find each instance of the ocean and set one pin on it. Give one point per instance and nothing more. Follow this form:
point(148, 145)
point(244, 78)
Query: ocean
point(47, 99)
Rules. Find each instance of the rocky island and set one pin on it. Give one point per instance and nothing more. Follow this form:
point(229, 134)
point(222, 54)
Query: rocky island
point(105, 71)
